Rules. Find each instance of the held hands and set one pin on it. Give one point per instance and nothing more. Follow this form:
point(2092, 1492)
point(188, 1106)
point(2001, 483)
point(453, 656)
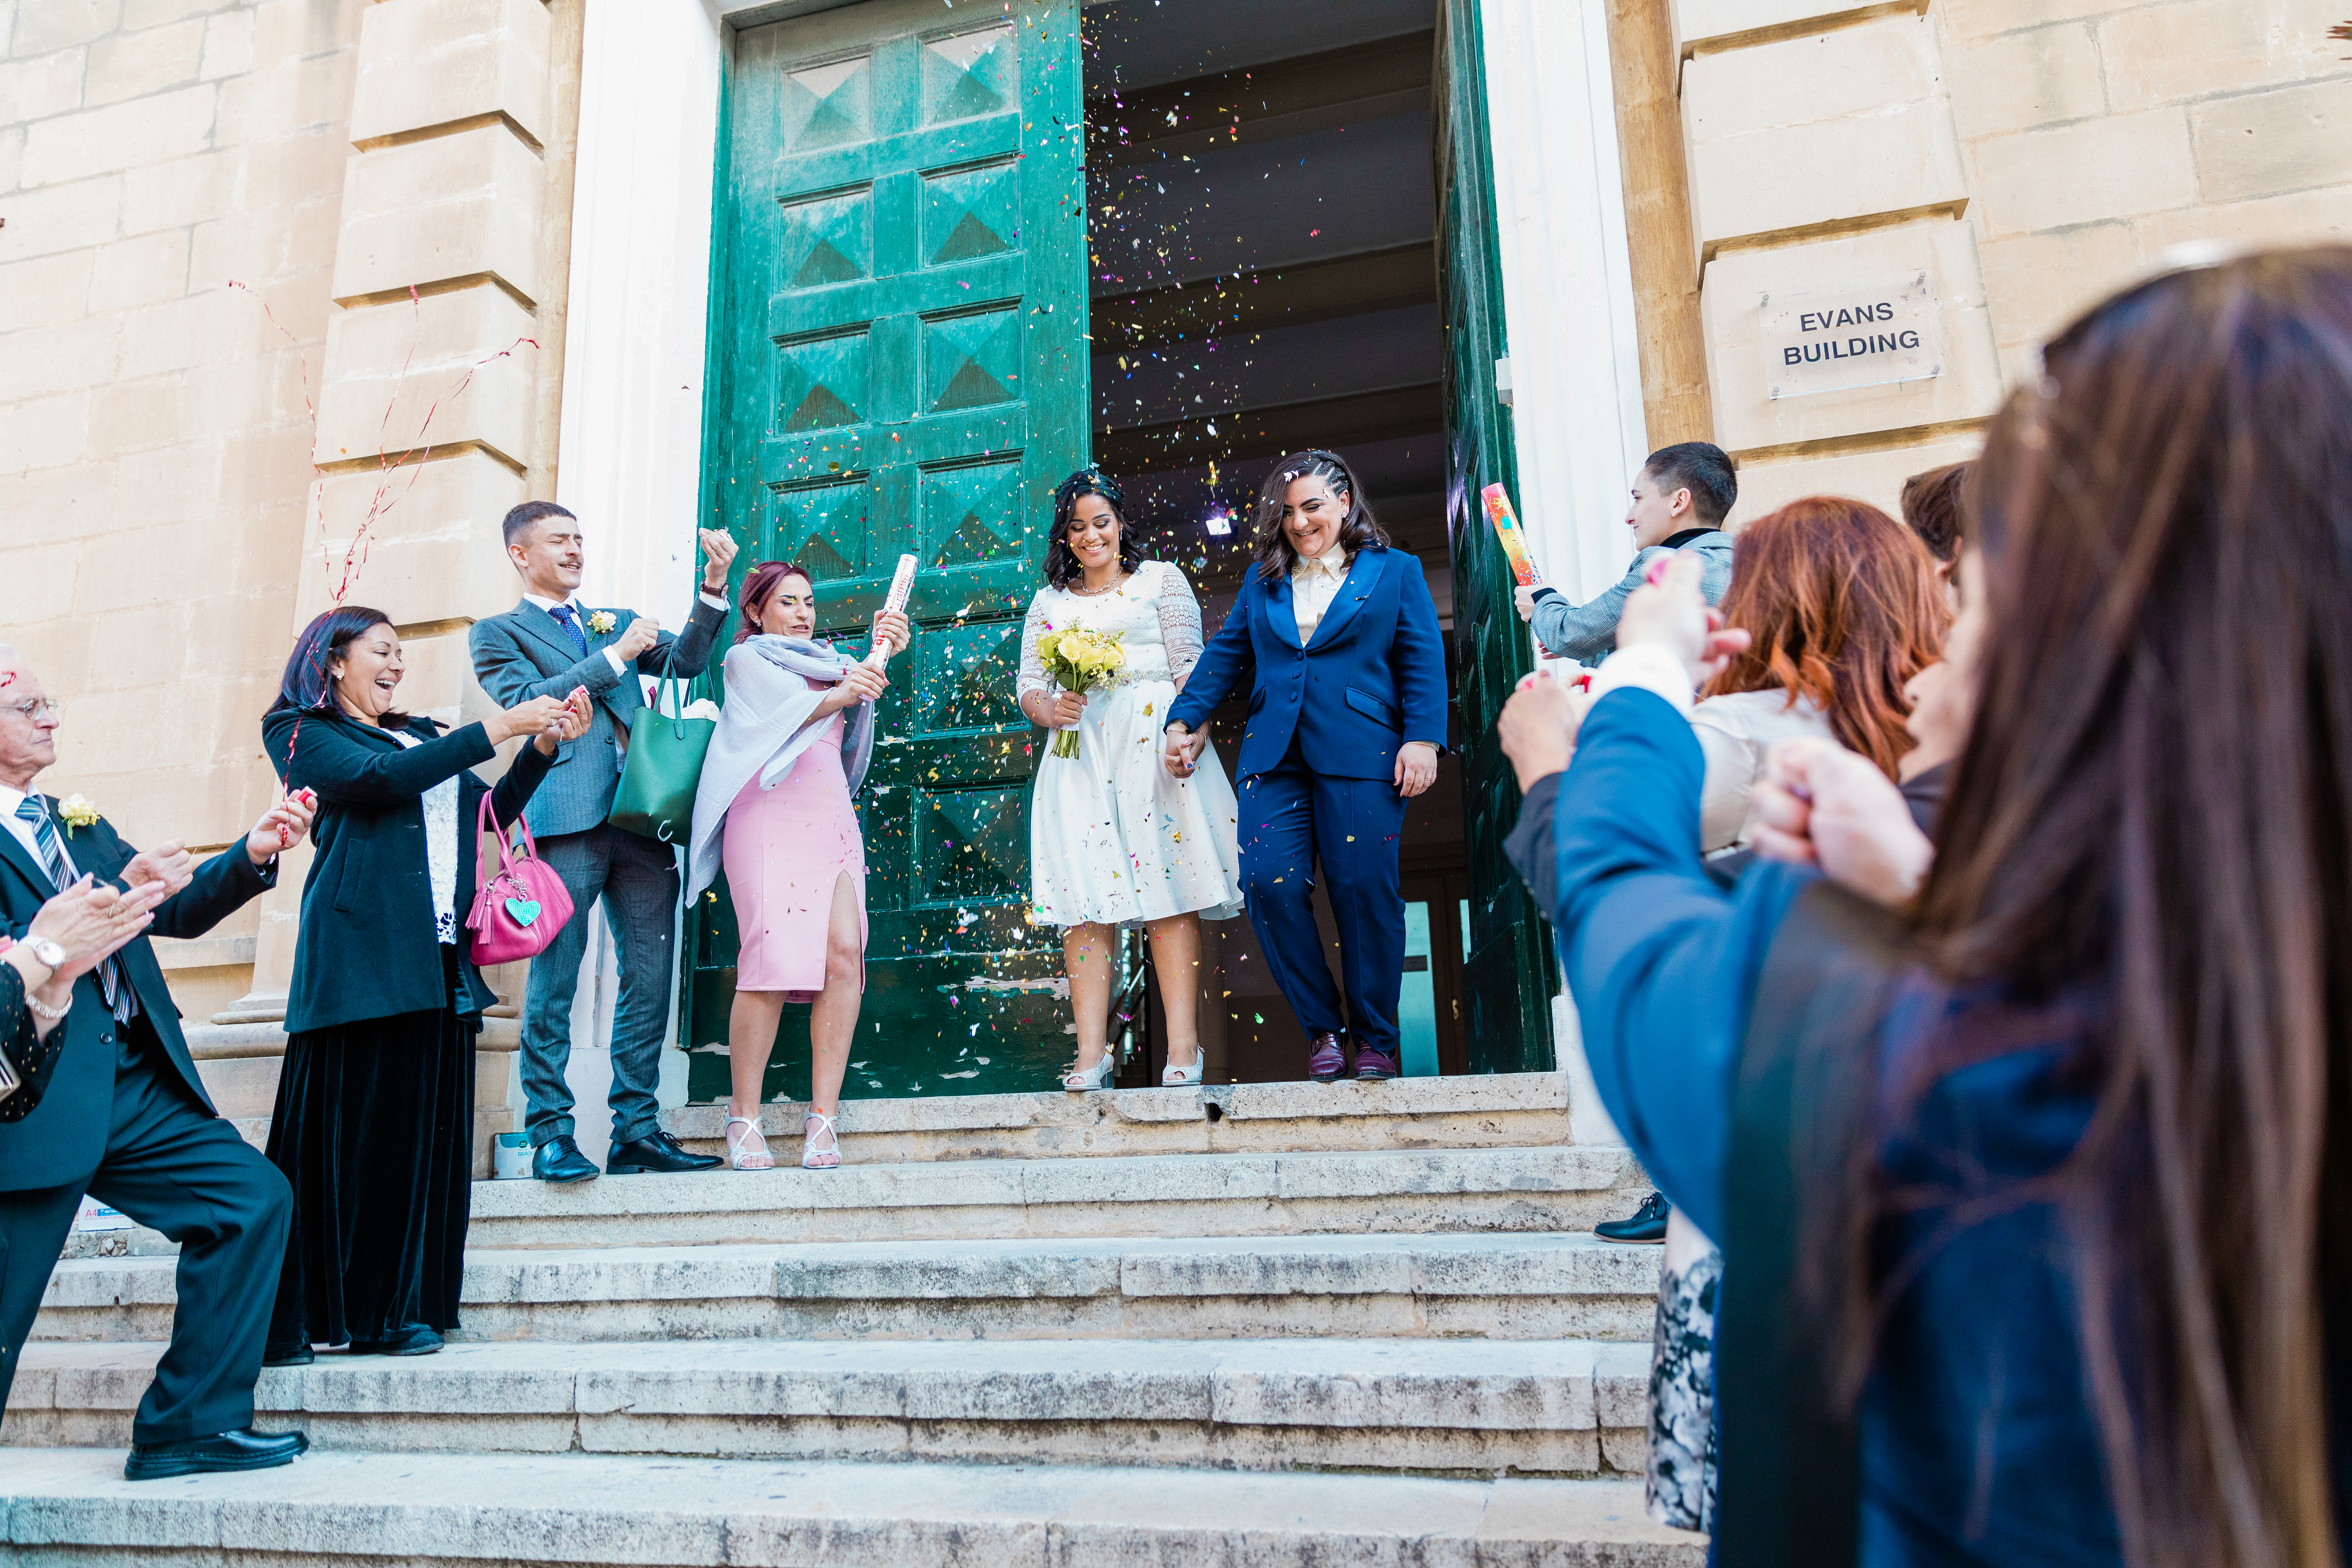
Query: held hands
point(643, 633)
point(570, 722)
point(1821, 803)
point(1416, 767)
point(1671, 612)
point(1184, 748)
point(719, 549)
point(166, 864)
point(282, 826)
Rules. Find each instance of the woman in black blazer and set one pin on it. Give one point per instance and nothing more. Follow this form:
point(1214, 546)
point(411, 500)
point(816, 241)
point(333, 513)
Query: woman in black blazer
point(374, 1120)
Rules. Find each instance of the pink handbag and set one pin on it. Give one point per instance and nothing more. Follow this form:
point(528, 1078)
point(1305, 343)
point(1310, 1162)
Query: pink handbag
point(517, 911)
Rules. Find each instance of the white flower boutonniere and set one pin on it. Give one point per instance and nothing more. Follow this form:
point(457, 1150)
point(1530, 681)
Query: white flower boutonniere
point(76, 812)
point(602, 621)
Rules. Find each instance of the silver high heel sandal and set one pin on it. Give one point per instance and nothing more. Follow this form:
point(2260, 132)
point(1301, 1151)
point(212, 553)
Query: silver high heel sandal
point(1173, 1077)
point(1077, 1081)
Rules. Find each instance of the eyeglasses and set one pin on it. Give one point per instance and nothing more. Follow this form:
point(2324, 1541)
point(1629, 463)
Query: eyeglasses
point(35, 709)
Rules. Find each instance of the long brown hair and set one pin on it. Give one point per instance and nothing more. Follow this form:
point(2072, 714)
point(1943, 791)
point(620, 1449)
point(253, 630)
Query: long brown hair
point(2155, 809)
point(1361, 530)
point(1844, 606)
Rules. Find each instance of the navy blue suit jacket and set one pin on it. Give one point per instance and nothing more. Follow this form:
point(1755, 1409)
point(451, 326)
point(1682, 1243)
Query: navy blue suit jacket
point(1372, 678)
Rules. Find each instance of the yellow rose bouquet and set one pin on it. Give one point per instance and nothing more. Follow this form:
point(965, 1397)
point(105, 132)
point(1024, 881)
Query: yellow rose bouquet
point(1080, 660)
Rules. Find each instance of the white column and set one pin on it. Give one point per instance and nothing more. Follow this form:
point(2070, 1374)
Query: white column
point(1568, 311)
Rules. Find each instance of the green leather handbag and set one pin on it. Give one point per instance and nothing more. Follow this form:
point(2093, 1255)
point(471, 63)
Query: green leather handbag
point(656, 797)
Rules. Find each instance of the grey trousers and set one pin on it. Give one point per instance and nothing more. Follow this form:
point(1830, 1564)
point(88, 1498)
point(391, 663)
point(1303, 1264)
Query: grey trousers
point(637, 880)
point(171, 1165)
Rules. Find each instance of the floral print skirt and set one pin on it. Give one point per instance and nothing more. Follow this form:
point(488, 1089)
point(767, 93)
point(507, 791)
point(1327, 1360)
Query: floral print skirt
point(1682, 1397)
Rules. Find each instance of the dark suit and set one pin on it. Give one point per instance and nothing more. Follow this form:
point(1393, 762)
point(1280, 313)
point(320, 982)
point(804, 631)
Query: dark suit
point(526, 653)
point(1318, 768)
point(124, 1118)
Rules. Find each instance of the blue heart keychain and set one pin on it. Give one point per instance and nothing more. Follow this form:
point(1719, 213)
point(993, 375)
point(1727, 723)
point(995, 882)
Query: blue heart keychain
point(524, 910)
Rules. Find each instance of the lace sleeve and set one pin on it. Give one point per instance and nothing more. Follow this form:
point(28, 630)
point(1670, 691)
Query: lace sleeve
point(1032, 668)
point(1180, 622)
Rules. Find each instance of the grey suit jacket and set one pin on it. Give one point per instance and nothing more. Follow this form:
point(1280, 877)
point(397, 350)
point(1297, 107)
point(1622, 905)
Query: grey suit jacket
point(525, 653)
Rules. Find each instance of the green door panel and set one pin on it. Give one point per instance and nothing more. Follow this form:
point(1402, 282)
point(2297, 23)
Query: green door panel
point(899, 366)
point(1511, 972)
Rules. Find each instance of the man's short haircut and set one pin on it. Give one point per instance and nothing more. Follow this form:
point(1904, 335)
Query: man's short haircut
point(1931, 505)
point(518, 525)
point(1701, 469)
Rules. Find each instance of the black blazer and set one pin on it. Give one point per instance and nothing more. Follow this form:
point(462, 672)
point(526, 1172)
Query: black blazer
point(367, 947)
point(63, 1139)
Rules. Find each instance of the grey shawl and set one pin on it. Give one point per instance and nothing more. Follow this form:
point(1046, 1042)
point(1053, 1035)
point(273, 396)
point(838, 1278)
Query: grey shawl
point(763, 730)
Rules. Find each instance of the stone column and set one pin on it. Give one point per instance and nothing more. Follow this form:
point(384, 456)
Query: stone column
point(434, 413)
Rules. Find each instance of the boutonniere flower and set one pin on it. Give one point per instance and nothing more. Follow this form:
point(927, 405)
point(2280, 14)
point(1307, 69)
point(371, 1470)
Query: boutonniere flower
point(600, 621)
point(76, 812)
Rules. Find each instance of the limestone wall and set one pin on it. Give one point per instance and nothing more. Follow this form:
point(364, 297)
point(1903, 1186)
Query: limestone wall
point(155, 445)
point(2027, 155)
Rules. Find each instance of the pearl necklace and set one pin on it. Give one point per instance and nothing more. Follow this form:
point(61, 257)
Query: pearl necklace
point(1086, 592)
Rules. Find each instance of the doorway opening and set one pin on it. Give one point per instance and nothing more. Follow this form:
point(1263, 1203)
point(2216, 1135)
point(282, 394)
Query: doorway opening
point(1263, 223)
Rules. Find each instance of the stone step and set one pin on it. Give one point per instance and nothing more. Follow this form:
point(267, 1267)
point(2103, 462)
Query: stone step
point(1560, 1188)
point(70, 1508)
point(1493, 1111)
point(1428, 1406)
point(1513, 1286)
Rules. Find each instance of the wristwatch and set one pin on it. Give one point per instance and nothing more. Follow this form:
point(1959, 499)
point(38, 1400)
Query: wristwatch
point(47, 953)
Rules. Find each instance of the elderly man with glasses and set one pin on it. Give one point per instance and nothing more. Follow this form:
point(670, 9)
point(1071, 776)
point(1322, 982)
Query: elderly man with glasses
point(124, 1118)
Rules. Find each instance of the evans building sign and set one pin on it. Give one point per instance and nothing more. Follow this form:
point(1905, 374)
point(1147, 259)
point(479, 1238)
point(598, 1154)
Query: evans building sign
point(1861, 334)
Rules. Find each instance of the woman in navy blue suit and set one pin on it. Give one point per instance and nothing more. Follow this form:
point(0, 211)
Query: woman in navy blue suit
point(1339, 636)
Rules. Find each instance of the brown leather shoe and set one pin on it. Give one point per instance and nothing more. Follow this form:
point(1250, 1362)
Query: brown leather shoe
point(1372, 1062)
point(1330, 1058)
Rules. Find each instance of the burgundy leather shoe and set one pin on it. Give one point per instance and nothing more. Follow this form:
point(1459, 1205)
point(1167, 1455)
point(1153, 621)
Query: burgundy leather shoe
point(1330, 1060)
point(1374, 1062)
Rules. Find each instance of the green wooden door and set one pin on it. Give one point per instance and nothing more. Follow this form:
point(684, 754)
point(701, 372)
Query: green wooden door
point(897, 365)
point(1511, 973)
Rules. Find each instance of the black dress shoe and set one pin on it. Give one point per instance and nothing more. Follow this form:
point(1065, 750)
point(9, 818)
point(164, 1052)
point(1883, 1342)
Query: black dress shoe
point(288, 1355)
point(1645, 1226)
point(659, 1155)
point(413, 1339)
point(242, 1450)
point(559, 1159)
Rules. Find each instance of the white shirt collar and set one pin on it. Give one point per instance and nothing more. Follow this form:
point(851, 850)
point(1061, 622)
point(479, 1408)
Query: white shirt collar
point(10, 799)
point(1333, 560)
point(551, 606)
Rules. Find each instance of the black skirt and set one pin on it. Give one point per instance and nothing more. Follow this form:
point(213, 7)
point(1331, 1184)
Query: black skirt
point(374, 1129)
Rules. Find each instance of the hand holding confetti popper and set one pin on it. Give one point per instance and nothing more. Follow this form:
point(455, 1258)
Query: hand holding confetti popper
point(902, 586)
point(1506, 528)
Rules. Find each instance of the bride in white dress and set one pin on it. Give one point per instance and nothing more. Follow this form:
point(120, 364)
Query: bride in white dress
point(1114, 840)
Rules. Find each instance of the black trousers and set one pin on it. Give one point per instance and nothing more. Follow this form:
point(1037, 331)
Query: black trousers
point(170, 1165)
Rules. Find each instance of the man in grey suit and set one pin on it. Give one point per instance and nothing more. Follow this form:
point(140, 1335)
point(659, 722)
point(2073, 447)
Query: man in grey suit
point(545, 647)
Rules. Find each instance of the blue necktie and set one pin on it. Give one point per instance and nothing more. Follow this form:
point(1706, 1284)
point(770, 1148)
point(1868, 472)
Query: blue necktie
point(30, 810)
point(569, 619)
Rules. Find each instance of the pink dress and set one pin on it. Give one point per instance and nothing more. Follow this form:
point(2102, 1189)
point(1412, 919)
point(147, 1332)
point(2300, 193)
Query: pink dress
point(784, 849)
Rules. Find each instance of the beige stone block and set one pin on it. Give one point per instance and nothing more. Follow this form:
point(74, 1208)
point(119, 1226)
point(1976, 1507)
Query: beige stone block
point(163, 487)
point(1875, 476)
point(2036, 283)
point(1699, 22)
point(423, 542)
point(1859, 111)
point(303, 92)
point(250, 245)
point(440, 682)
point(161, 561)
point(1961, 21)
point(43, 432)
point(37, 583)
point(44, 291)
point(1747, 417)
point(2118, 166)
point(305, 166)
point(68, 218)
point(131, 415)
point(140, 271)
point(35, 89)
point(429, 62)
point(454, 206)
point(12, 156)
point(132, 65)
point(71, 499)
point(2267, 143)
point(73, 146)
point(450, 346)
point(228, 46)
point(48, 25)
point(217, 325)
point(2305, 217)
point(181, 192)
point(288, 29)
point(2188, 49)
point(2024, 79)
point(42, 360)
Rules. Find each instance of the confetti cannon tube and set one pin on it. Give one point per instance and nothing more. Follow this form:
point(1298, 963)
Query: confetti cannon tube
point(902, 584)
point(1506, 528)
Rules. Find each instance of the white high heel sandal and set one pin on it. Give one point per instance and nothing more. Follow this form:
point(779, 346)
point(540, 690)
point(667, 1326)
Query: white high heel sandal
point(1173, 1077)
point(811, 1157)
point(749, 1152)
point(1077, 1081)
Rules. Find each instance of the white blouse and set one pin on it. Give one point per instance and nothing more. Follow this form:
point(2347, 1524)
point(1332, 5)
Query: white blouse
point(440, 848)
point(1735, 731)
point(1313, 586)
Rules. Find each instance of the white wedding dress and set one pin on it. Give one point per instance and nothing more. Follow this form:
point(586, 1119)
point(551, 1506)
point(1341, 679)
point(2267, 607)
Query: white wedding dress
point(1114, 838)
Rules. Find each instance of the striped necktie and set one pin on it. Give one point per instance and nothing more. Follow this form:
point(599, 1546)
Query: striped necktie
point(32, 812)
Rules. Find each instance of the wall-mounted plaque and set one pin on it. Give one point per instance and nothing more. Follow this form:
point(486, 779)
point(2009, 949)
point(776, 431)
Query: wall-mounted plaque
point(1858, 334)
